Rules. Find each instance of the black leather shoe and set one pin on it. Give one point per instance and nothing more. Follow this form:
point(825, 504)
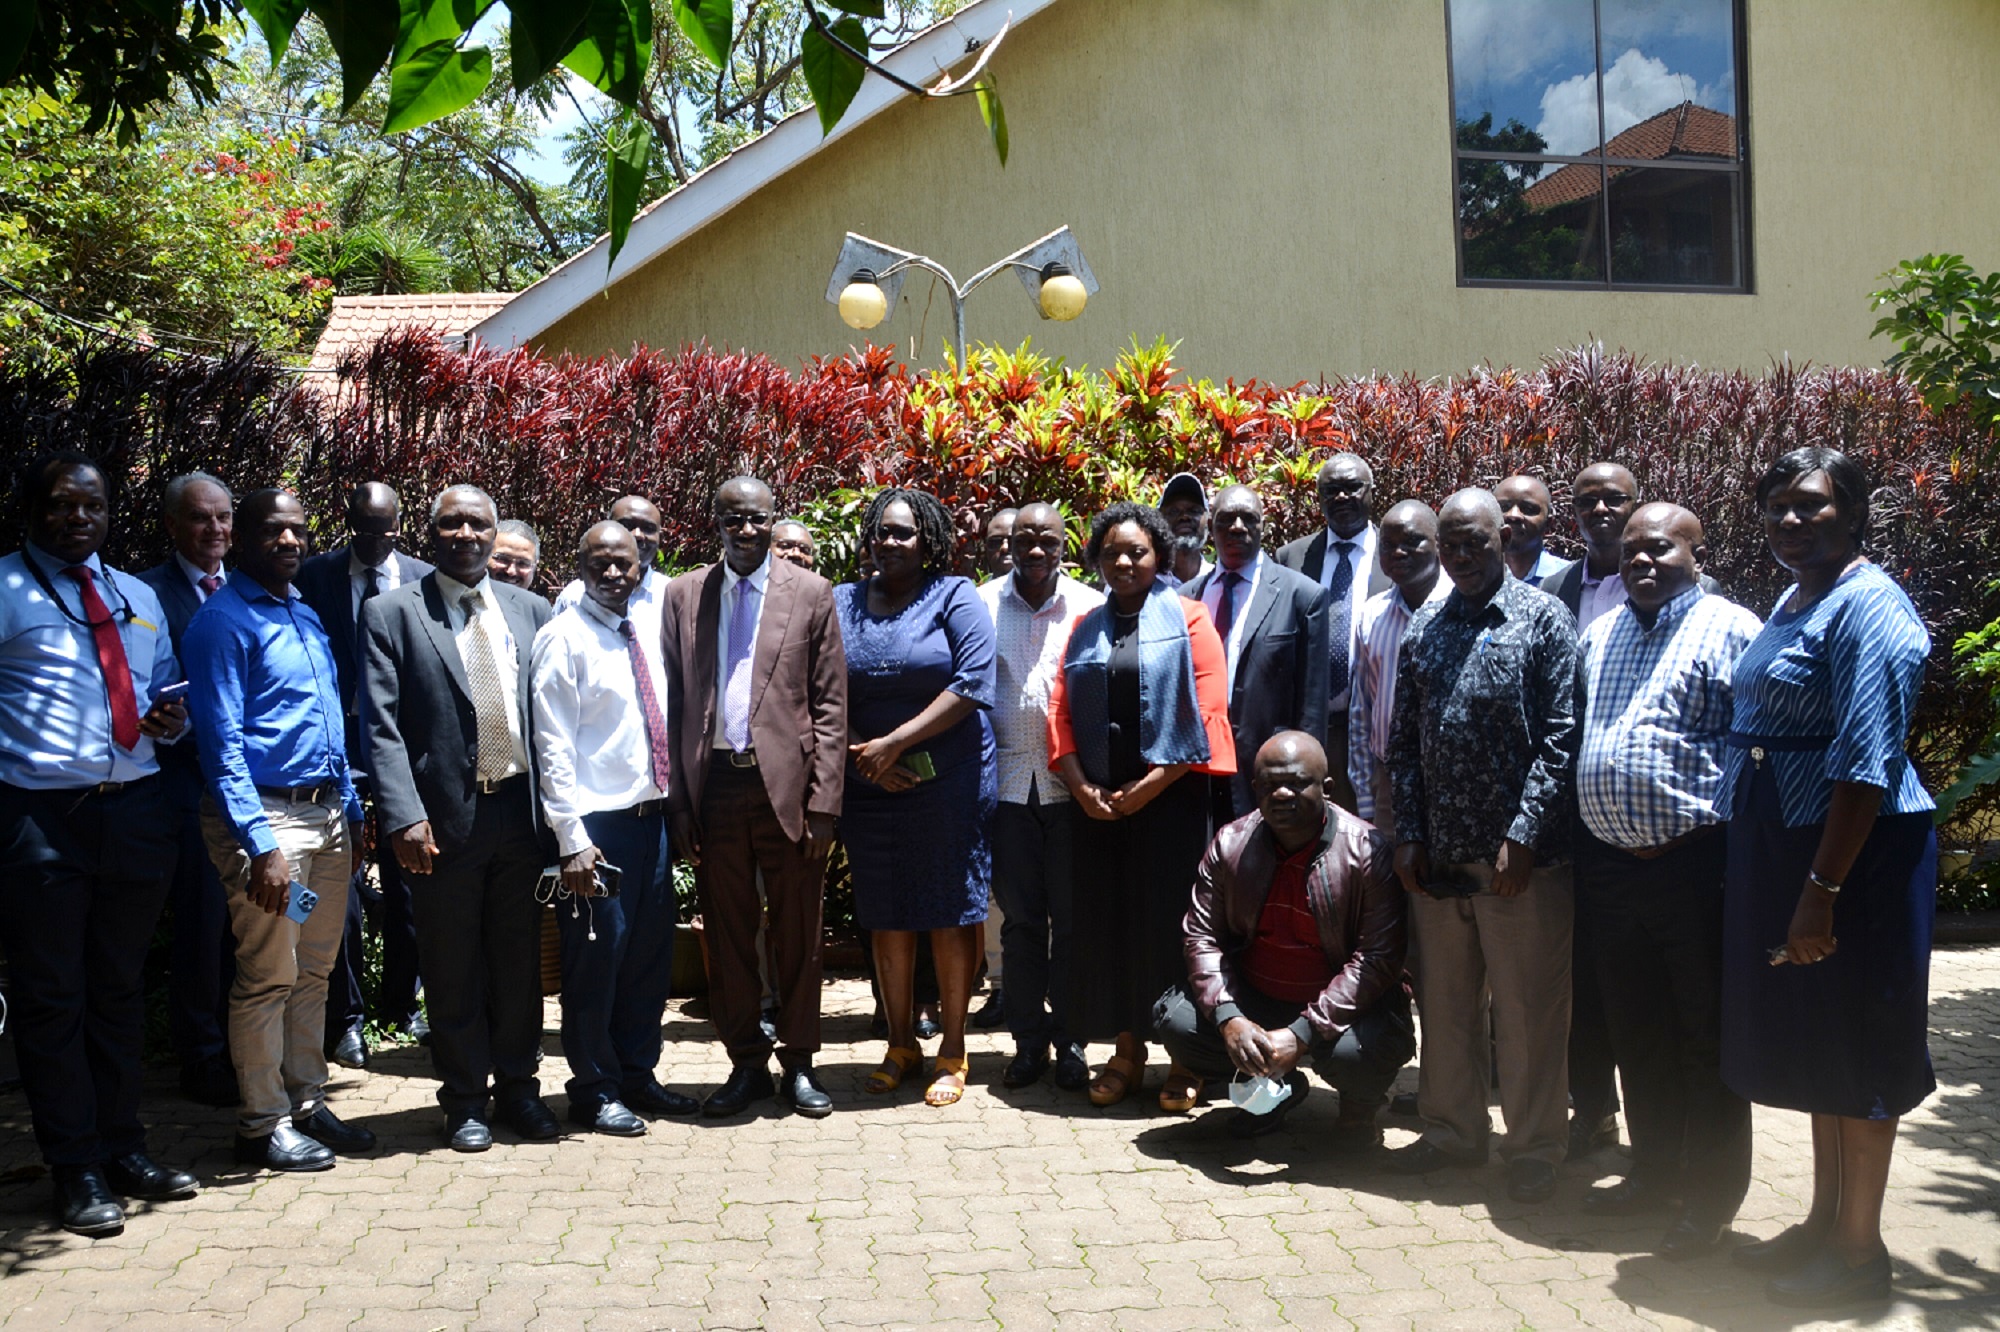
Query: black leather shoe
point(1423, 1156)
point(1026, 1068)
point(85, 1204)
point(1246, 1125)
point(1530, 1180)
point(609, 1117)
point(650, 1098)
point(137, 1175)
point(327, 1129)
point(1357, 1129)
point(747, 1083)
point(1689, 1238)
point(991, 1013)
point(1827, 1280)
point(467, 1132)
point(1630, 1196)
point(1588, 1135)
point(286, 1149)
point(1403, 1105)
point(1072, 1069)
point(211, 1082)
point(350, 1051)
point(800, 1089)
point(530, 1118)
point(416, 1029)
point(926, 1028)
point(1787, 1251)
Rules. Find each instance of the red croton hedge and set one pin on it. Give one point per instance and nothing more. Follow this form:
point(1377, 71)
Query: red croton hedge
point(555, 439)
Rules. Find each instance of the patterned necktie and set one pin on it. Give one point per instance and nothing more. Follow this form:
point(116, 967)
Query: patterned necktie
point(649, 705)
point(1225, 609)
point(110, 659)
point(489, 700)
point(736, 680)
point(210, 584)
point(1340, 619)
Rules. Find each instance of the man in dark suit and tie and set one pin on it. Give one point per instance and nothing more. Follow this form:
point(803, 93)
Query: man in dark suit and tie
point(446, 678)
point(1273, 625)
point(199, 514)
point(336, 585)
point(1341, 559)
point(758, 682)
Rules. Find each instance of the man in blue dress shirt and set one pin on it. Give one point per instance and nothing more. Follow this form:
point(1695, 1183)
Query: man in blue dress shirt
point(266, 704)
point(86, 839)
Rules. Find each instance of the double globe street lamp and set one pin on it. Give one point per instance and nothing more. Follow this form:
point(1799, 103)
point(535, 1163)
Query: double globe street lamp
point(868, 275)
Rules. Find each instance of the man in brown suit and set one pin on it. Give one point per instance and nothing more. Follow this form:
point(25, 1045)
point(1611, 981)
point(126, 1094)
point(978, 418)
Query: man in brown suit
point(758, 682)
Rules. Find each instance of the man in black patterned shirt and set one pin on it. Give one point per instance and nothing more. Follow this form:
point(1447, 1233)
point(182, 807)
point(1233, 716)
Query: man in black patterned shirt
point(1481, 757)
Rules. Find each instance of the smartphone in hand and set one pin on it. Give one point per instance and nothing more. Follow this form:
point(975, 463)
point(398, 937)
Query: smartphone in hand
point(300, 901)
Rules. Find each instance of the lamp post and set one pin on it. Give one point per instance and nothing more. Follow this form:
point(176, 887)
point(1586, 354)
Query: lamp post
point(869, 274)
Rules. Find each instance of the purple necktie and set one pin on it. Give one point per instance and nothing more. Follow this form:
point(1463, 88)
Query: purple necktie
point(736, 679)
point(210, 585)
point(649, 705)
point(1225, 607)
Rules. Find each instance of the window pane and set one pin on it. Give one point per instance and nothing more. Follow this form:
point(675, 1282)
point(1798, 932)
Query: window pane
point(1669, 78)
point(1677, 228)
point(1523, 75)
point(1530, 221)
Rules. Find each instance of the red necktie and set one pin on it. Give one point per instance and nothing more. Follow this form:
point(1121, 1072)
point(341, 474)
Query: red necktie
point(649, 705)
point(210, 585)
point(110, 658)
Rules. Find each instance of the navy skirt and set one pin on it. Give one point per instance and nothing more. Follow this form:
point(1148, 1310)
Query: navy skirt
point(1847, 1036)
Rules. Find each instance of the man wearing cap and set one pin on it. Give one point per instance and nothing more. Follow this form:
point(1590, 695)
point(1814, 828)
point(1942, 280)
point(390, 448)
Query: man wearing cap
point(1184, 504)
point(1341, 559)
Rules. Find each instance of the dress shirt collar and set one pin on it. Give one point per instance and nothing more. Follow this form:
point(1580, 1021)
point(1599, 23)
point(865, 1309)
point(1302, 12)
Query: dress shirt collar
point(1362, 541)
point(759, 577)
point(52, 565)
point(1058, 602)
point(1440, 589)
point(602, 615)
point(1249, 573)
point(454, 591)
point(1671, 613)
point(194, 573)
point(250, 589)
point(1460, 605)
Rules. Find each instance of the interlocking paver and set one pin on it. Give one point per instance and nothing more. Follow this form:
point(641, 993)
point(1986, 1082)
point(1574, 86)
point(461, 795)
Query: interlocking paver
point(1026, 1210)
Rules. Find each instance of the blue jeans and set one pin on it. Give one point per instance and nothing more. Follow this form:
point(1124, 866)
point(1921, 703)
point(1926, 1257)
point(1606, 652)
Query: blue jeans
point(615, 986)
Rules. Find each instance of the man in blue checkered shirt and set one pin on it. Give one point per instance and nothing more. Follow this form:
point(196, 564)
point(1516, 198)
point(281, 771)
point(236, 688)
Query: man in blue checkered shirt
point(1653, 689)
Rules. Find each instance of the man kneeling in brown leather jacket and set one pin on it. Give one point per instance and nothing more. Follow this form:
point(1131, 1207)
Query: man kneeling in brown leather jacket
point(1295, 944)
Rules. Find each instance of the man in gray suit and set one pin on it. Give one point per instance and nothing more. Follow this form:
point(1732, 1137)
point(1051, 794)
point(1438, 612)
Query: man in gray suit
point(446, 674)
point(1341, 559)
point(1273, 625)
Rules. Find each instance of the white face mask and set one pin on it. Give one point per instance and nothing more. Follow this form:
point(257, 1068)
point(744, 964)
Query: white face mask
point(1259, 1096)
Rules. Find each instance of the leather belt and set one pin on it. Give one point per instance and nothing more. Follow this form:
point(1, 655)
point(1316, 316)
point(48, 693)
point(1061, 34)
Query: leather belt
point(646, 809)
point(495, 787)
point(745, 758)
point(1762, 746)
point(299, 795)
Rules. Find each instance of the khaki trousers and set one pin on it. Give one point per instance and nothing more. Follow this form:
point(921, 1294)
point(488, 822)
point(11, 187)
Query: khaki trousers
point(277, 1007)
point(1519, 949)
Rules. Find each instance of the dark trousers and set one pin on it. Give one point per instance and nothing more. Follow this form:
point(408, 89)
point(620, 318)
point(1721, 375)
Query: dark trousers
point(82, 880)
point(1656, 932)
point(1032, 877)
point(480, 931)
point(1360, 1064)
point(615, 985)
point(740, 835)
point(388, 903)
point(202, 960)
point(1593, 1067)
point(1336, 759)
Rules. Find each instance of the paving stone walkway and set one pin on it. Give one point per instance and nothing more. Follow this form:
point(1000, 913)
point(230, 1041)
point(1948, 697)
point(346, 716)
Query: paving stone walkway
point(1022, 1210)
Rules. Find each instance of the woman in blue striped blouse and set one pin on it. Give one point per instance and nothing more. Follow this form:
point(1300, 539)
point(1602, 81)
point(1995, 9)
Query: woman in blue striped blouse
point(1832, 875)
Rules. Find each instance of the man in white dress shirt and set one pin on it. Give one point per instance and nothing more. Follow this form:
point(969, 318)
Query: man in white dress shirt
point(1033, 608)
point(641, 517)
point(1408, 553)
point(603, 753)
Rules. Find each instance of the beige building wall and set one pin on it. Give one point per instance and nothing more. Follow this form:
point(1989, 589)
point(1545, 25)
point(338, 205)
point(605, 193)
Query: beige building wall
point(1269, 182)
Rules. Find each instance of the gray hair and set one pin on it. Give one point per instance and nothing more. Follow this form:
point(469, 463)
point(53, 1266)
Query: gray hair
point(516, 528)
point(437, 505)
point(177, 489)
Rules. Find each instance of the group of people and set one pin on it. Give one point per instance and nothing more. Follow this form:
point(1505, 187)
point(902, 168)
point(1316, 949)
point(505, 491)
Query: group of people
point(1591, 821)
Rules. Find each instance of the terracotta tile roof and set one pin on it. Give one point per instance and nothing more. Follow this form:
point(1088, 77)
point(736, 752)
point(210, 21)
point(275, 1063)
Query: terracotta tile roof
point(358, 321)
point(1687, 130)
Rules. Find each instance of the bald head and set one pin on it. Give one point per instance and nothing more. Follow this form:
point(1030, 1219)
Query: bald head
point(1406, 548)
point(641, 517)
point(1290, 782)
point(1525, 509)
point(1603, 497)
point(1469, 546)
point(607, 560)
point(1237, 515)
point(374, 522)
point(1346, 493)
point(1660, 555)
point(744, 511)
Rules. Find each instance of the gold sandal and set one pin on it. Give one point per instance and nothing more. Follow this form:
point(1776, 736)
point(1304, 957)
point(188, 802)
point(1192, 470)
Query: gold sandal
point(1119, 1078)
point(947, 1081)
point(1182, 1090)
point(896, 1066)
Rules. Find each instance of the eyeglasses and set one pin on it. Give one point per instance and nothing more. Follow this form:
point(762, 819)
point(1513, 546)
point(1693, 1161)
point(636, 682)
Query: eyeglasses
point(731, 521)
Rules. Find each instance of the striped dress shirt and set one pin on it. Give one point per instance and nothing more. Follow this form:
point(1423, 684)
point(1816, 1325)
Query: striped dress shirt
point(1657, 705)
point(1371, 703)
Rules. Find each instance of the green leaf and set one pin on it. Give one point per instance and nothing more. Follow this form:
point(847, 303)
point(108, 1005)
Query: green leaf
point(434, 82)
point(987, 94)
point(543, 32)
point(276, 19)
point(709, 24)
point(832, 75)
point(17, 29)
point(428, 21)
point(867, 8)
point(617, 48)
point(628, 175)
point(1982, 771)
point(363, 33)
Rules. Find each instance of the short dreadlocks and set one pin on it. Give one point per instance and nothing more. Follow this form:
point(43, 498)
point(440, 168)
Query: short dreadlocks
point(936, 536)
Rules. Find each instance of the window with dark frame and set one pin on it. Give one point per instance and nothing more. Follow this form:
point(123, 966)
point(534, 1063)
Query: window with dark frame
point(1599, 143)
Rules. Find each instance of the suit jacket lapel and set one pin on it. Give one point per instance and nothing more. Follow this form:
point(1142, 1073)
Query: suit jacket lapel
point(437, 622)
point(523, 630)
point(1261, 602)
point(1316, 558)
point(770, 632)
point(699, 672)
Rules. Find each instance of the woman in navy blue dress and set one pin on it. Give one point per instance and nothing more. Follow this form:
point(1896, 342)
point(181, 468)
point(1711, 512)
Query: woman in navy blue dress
point(921, 781)
point(1832, 876)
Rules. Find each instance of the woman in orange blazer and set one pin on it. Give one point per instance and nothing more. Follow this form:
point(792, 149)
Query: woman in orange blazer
point(1138, 722)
